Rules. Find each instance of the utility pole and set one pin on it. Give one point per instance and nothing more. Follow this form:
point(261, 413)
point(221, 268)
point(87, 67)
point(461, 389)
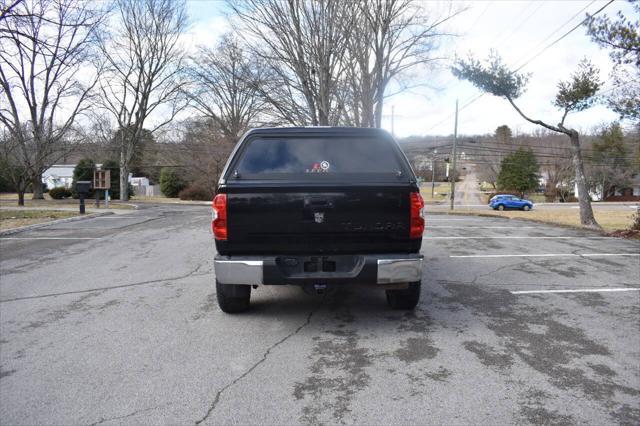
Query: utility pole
point(454, 154)
point(433, 173)
point(393, 133)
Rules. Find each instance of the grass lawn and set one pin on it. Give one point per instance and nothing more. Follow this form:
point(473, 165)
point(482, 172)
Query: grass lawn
point(9, 199)
point(10, 219)
point(536, 198)
point(609, 219)
point(441, 192)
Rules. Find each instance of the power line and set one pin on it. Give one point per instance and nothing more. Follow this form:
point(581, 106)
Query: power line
point(500, 35)
point(520, 24)
point(473, 100)
point(472, 26)
point(558, 29)
point(563, 36)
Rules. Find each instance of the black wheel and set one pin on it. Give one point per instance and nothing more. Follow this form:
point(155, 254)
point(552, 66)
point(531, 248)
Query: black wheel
point(526, 208)
point(404, 299)
point(233, 298)
point(500, 207)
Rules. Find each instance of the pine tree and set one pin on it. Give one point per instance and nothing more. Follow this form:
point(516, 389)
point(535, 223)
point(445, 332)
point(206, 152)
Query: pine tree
point(519, 171)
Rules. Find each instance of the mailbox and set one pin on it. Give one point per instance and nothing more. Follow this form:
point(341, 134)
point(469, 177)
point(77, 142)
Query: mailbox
point(83, 187)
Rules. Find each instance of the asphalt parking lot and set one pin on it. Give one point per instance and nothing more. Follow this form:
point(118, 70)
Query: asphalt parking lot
point(113, 320)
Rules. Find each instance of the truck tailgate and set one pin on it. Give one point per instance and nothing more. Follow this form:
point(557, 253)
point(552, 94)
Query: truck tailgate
point(320, 219)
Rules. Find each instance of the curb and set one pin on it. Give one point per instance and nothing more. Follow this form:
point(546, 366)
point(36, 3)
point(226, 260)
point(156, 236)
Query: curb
point(53, 222)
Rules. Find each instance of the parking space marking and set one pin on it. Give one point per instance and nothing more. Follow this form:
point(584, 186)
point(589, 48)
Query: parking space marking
point(50, 238)
point(545, 255)
point(480, 227)
point(516, 238)
point(578, 290)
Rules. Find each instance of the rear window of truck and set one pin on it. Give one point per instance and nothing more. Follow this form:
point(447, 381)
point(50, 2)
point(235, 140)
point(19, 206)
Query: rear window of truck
point(317, 158)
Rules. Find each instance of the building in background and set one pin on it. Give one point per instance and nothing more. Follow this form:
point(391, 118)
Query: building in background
point(58, 175)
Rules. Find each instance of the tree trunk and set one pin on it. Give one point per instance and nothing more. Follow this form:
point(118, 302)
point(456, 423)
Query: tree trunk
point(378, 112)
point(21, 197)
point(586, 212)
point(36, 184)
point(124, 178)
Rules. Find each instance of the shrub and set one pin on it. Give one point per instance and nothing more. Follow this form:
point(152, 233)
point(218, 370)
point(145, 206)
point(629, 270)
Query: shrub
point(59, 193)
point(636, 220)
point(171, 182)
point(195, 192)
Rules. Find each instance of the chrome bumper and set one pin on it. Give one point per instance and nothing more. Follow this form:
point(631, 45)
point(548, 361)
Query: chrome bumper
point(241, 271)
point(388, 270)
point(399, 270)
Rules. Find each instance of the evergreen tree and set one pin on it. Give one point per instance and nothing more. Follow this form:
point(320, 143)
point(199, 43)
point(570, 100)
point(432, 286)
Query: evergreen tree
point(171, 183)
point(519, 171)
point(83, 171)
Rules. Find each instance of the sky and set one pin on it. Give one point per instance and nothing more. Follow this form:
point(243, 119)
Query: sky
point(516, 30)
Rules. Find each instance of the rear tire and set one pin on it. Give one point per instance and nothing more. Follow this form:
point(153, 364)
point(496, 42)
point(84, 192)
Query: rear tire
point(500, 207)
point(404, 299)
point(233, 298)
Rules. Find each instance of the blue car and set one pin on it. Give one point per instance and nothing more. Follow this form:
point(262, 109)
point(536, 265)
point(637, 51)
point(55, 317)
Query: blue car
point(504, 202)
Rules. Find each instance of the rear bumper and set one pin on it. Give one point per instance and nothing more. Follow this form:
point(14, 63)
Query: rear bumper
point(279, 270)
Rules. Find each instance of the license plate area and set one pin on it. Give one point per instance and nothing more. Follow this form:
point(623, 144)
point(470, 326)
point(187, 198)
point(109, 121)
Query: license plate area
point(320, 266)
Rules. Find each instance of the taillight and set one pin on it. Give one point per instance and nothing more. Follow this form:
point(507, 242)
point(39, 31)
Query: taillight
point(219, 217)
point(416, 227)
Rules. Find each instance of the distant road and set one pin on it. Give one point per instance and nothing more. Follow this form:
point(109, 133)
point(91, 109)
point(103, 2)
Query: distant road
point(467, 190)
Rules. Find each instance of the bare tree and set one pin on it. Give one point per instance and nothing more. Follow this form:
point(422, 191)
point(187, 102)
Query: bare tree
point(44, 86)
point(226, 88)
point(12, 167)
point(488, 167)
point(204, 151)
point(610, 159)
point(576, 94)
point(8, 8)
point(144, 60)
point(304, 45)
point(556, 165)
point(392, 37)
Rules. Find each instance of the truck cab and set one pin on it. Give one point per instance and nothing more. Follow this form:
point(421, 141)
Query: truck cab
point(317, 207)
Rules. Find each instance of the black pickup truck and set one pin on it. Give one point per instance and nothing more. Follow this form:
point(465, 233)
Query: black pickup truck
point(317, 207)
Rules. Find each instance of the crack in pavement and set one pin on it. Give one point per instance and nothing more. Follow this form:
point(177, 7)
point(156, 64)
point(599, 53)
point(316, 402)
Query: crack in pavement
point(103, 420)
point(254, 366)
point(193, 273)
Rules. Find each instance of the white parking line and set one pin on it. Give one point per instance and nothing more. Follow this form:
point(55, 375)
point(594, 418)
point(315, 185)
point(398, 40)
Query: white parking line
point(581, 290)
point(49, 238)
point(479, 227)
point(547, 255)
point(516, 238)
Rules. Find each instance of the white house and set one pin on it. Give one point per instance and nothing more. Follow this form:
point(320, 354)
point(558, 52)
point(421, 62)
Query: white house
point(62, 175)
point(58, 175)
point(139, 181)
